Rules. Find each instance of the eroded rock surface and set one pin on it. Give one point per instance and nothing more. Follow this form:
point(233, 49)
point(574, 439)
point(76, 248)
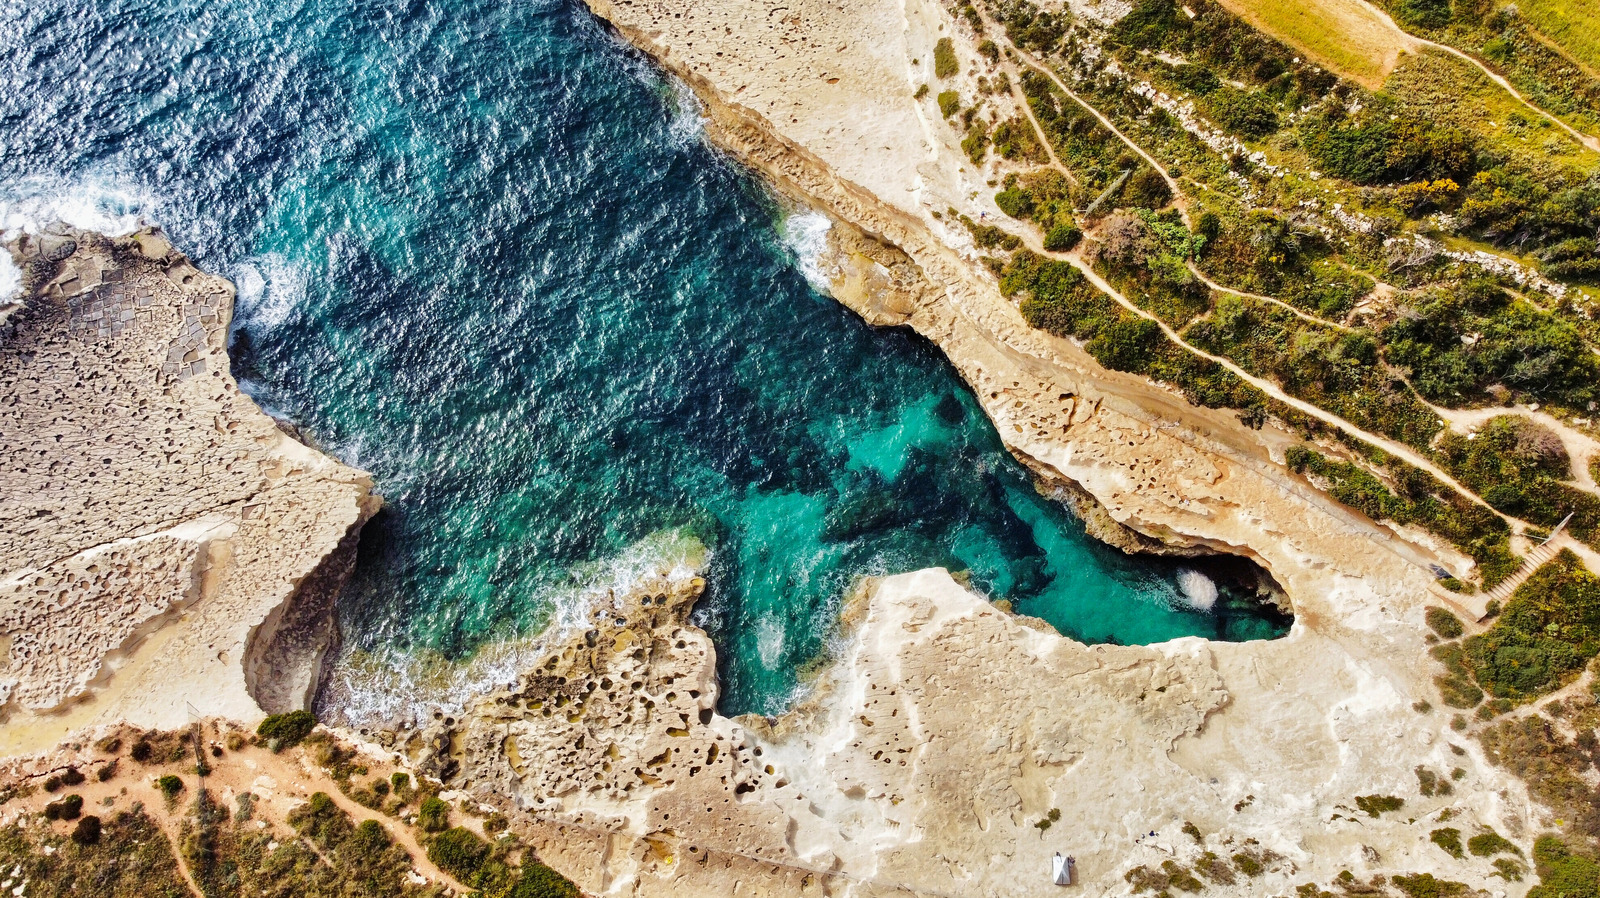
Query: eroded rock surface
point(156, 527)
point(940, 738)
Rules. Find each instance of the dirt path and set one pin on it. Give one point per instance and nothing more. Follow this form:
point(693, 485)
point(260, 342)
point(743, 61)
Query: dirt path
point(280, 782)
point(1178, 198)
point(1580, 447)
point(1586, 140)
point(1307, 316)
point(400, 832)
point(1021, 99)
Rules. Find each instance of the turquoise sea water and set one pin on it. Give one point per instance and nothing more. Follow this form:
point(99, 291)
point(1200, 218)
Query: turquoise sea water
point(485, 252)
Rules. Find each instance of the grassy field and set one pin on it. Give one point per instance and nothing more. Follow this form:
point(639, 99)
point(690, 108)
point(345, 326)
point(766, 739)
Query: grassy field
point(1346, 36)
point(1572, 25)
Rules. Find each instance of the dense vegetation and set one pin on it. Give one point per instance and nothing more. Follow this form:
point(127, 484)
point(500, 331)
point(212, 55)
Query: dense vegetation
point(1214, 41)
point(1518, 466)
point(1335, 370)
point(1057, 298)
point(286, 730)
point(1382, 143)
point(1548, 631)
point(129, 859)
point(1461, 340)
point(1419, 500)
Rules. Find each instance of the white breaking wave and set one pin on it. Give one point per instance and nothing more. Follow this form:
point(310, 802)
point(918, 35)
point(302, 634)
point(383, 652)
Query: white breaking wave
point(769, 641)
point(387, 687)
point(806, 233)
point(10, 277)
point(270, 288)
point(1197, 590)
point(92, 203)
point(688, 124)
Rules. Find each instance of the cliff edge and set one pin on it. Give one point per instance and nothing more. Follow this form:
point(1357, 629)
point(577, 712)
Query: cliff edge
point(153, 521)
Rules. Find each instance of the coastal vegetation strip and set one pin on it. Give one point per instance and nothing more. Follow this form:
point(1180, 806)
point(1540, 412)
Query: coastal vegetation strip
point(1361, 375)
point(172, 813)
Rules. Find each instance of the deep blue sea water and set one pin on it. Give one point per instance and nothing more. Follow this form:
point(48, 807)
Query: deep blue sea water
point(485, 252)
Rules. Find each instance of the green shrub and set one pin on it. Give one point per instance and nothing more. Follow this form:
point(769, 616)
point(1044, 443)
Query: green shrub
point(1449, 839)
point(539, 881)
point(1549, 629)
point(1377, 805)
point(1384, 143)
point(1015, 202)
point(1062, 238)
point(987, 49)
point(1431, 784)
point(1456, 687)
point(1512, 342)
point(1507, 869)
point(87, 832)
point(1488, 843)
point(170, 786)
point(949, 103)
point(459, 852)
point(1423, 13)
point(433, 815)
point(989, 236)
point(1148, 24)
point(67, 808)
point(1251, 114)
point(1563, 873)
point(1444, 623)
point(944, 58)
point(1248, 865)
point(1424, 885)
point(286, 730)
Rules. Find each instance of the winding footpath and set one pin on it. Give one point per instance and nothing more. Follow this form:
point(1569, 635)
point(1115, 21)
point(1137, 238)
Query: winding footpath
point(1587, 140)
point(1303, 315)
point(1580, 447)
point(999, 36)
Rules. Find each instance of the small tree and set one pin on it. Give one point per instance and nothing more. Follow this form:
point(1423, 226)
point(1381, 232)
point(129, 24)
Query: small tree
point(87, 832)
point(459, 852)
point(286, 730)
point(434, 814)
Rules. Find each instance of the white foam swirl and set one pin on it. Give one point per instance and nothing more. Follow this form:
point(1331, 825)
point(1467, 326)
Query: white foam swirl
point(806, 234)
point(1198, 591)
point(270, 288)
point(104, 203)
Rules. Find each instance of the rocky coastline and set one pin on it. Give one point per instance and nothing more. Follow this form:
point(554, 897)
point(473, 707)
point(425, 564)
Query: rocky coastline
point(952, 747)
point(166, 546)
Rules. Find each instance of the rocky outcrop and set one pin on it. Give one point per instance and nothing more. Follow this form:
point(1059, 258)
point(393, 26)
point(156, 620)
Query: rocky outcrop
point(952, 749)
point(156, 527)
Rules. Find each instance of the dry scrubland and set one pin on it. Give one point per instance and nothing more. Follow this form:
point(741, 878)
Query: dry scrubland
point(1573, 25)
point(1347, 36)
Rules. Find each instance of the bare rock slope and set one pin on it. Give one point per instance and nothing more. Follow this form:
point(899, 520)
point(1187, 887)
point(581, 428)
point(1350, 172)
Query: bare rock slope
point(154, 522)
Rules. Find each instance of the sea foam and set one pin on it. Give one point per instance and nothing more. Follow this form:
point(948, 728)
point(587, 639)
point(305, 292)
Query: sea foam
point(384, 685)
point(270, 288)
point(1197, 590)
point(10, 277)
point(106, 204)
point(806, 234)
